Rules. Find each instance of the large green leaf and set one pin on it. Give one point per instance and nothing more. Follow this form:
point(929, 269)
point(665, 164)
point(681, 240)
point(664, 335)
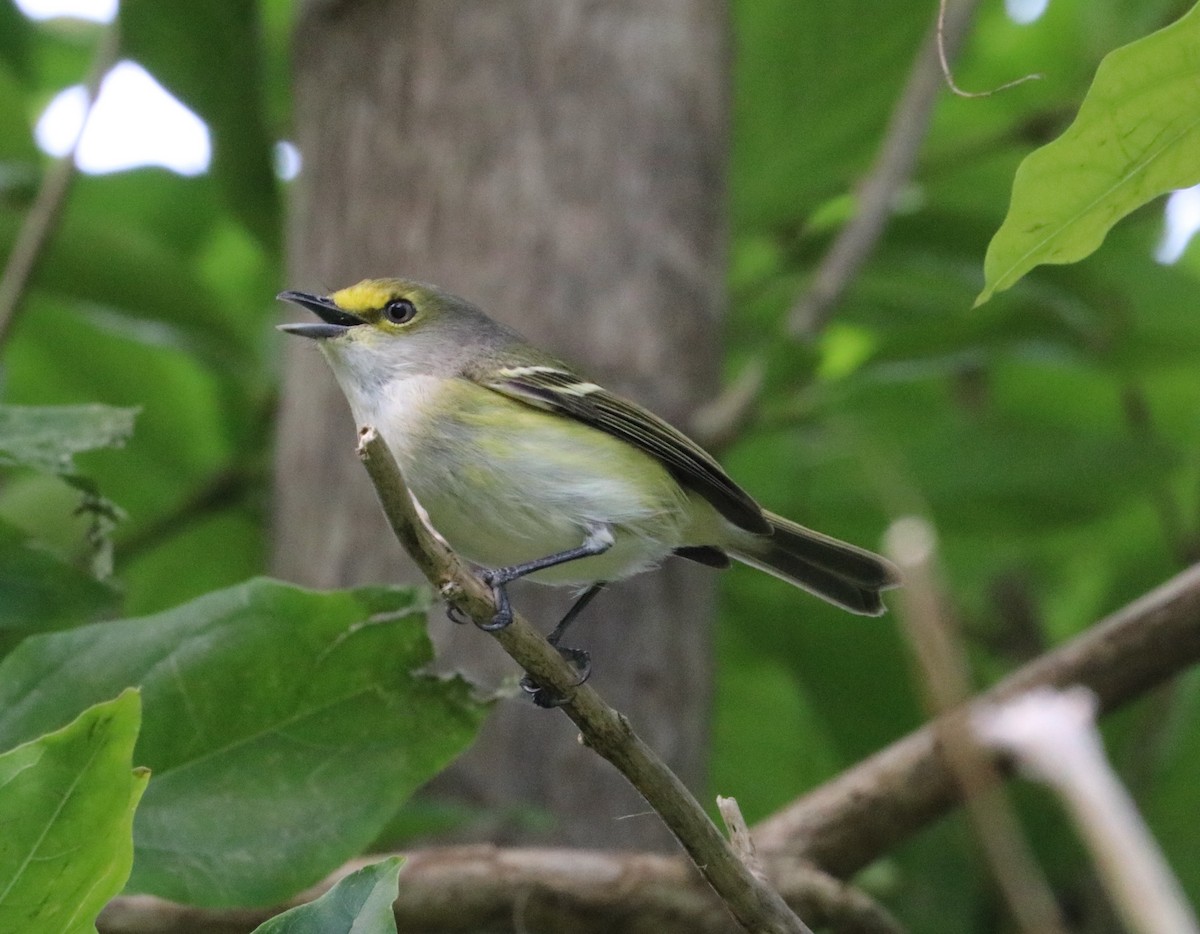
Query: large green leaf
point(361, 903)
point(1137, 136)
point(66, 805)
point(100, 265)
point(18, 155)
point(284, 728)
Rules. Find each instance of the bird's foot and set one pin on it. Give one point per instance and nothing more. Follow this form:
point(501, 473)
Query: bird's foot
point(498, 579)
point(548, 697)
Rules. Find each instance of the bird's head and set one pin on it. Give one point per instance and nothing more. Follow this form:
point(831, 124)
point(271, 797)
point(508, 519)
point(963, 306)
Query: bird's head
point(370, 311)
point(384, 329)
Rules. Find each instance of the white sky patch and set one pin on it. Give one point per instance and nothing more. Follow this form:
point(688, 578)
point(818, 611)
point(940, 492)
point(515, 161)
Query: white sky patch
point(1025, 11)
point(100, 11)
point(135, 122)
point(287, 160)
point(1182, 216)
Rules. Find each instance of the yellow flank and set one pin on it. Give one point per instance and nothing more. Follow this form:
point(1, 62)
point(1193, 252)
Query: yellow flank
point(514, 483)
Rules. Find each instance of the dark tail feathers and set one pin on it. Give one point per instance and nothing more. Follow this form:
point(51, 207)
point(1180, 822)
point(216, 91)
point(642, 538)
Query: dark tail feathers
point(843, 574)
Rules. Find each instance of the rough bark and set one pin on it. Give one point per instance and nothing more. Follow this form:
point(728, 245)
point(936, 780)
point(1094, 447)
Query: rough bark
point(561, 162)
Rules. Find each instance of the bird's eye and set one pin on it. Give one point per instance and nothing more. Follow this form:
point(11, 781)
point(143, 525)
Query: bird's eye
point(399, 311)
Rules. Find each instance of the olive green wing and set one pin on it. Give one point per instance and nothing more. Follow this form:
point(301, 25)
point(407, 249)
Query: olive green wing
point(556, 390)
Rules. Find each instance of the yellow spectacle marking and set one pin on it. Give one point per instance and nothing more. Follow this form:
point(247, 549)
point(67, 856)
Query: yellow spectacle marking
point(371, 294)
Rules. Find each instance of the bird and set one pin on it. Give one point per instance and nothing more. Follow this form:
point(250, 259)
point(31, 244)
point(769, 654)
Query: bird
point(530, 470)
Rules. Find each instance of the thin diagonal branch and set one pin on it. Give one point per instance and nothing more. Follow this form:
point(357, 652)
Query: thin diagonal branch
point(756, 905)
point(43, 214)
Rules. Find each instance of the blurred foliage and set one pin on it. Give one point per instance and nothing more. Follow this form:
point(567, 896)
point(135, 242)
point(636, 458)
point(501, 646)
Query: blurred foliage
point(1050, 434)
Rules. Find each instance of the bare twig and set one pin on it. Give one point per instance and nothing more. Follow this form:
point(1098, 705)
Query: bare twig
point(756, 905)
point(867, 810)
point(56, 183)
point(947, 72)
point(739, 834)
point(943, 666)
point(893, 165)
point(1054, 737)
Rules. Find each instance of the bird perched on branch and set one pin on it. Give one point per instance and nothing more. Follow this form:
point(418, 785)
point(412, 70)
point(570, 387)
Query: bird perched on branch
point(530, 470)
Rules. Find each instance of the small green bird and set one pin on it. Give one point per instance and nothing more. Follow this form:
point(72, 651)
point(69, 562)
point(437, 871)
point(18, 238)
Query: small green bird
point(530, 470)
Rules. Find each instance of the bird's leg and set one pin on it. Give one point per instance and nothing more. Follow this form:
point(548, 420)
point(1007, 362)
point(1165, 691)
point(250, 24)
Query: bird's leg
point(599, 539)
point(577, 657)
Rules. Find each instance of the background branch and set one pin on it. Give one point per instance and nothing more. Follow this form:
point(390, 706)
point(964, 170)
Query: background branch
point(945, 680)
point(455, 890)
point(865, 811)
point(892, 167)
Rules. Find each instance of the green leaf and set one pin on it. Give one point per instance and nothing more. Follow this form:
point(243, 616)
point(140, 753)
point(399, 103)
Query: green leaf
point(181, 441)
point(40, 592)
point(66, 804)
point(46, 438)
point(1137, 136)
point(361, 903)
point(284, 727)
point(97, 261)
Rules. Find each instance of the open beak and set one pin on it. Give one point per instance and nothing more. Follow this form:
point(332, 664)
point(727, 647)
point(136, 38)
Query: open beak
point(334, 320)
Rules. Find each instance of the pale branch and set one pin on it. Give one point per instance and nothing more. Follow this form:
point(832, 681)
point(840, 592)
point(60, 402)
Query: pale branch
point(739, 833)
point(460, 889)
point(867, 810)
point(756, 905)
point(891, 169)
point(945, 678)
point(1054, 738)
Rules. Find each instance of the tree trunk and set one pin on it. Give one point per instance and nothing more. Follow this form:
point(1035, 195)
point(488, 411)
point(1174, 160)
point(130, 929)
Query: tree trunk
point(561, 163)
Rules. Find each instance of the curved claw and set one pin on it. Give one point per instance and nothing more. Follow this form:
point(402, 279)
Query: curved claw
point(581, 660)
point(459, 618)
point(543, 697)
point(548, 698)
point(502, 618)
